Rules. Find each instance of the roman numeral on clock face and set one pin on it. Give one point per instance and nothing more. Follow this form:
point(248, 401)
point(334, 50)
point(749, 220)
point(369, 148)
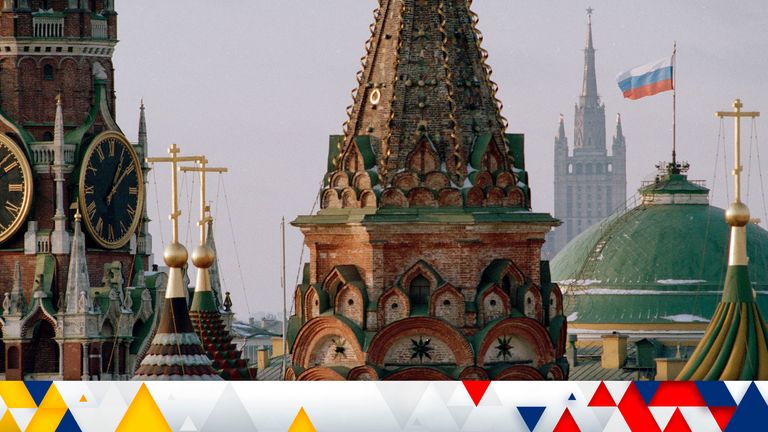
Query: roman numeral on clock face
point(15, 187)
point(10, 167)
point(12, 208)
point(90, 209)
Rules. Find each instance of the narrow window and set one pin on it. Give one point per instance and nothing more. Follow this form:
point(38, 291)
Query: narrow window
point(419, 292)
point(48, 72)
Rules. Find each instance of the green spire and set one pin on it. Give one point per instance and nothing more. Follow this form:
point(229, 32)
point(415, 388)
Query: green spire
point(735, 345)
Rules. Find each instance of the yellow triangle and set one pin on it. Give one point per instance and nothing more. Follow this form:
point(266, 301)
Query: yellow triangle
point(16, 395)
point(301, 423)
point(8, 424)
point(143, 414)
point(46, 419)
point(83, 399)
point(53, 399)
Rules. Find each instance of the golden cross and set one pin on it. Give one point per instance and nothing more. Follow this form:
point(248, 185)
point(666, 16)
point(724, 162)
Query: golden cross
point(174, 159)
point(737, 114)
point(202, 169)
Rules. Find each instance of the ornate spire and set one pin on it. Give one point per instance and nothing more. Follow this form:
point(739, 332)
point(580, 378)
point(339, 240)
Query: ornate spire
point(59, 237)
point(619, 132)
point(78, 282)
point(735, 345)
point(213, 271)
point(589, 86)
point(561, 129)
point(142, 129)
point(425, 106)
point(18, 303)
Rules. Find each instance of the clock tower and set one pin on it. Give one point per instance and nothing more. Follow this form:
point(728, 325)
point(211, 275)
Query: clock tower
point(76, 304)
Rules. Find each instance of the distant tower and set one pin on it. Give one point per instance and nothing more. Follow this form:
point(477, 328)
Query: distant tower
point(589, 184)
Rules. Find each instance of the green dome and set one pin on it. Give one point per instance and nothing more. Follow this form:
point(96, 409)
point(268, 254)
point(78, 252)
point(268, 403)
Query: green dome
point(663, 261)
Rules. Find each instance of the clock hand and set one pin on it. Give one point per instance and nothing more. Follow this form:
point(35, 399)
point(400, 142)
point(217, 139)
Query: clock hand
point(115, 179)
point(114, 187)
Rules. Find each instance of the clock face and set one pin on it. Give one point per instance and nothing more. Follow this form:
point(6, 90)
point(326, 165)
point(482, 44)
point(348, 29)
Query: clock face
point(111, 190)
point(15, 188)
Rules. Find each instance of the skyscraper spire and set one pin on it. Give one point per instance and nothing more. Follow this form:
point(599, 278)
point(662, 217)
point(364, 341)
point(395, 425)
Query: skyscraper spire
point(589, 86)
point(619, 131)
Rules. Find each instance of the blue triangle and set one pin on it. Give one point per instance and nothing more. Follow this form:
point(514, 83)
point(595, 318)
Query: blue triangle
point(38, 389)
point(571, 397)
point(531, 415)
point(68, 424)
point(715, 393)
point(750, 411)
point(647, 389)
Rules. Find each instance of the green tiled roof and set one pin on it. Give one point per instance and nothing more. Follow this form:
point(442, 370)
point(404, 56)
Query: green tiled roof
point(659, 263)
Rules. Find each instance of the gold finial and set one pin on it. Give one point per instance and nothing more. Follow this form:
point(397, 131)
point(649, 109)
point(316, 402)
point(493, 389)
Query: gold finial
point(78, 216)
point(174, 159)
point(58, 99)
point(737, 214)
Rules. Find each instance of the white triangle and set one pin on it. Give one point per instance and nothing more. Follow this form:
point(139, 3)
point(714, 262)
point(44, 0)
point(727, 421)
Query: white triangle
point(617, 423)
point(603, 415)
point(763, 387)
point(700, 419)
point(460, 414)
point(588, 389)
point(738, 389)
point(106, 414)
point(446, 389)
point(229, 413)
point(490, 398)
point(22, 416)
point(128, 389)
point(197, 398)
point(662, 415)
point(431, 413)
point(402, 404)
point(188, 426)
point(460, 397)
point(617, 389)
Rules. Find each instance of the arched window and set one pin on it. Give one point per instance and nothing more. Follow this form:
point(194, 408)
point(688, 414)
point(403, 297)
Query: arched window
point(48, 72)
point(419, 291)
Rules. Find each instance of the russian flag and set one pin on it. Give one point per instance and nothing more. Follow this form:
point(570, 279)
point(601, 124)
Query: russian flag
point(647, 80)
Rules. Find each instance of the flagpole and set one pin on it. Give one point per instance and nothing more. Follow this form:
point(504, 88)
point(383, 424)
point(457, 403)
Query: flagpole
point(285, 305)
point(674, 107)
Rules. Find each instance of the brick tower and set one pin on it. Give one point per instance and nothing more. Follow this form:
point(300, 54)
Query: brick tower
point(57, 111)
point(425, 256)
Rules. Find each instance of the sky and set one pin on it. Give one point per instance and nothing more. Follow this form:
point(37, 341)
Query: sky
point(258, 85)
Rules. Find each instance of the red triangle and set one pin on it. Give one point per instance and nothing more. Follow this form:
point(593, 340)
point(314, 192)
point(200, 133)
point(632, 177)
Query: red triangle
point(678, 394)
point(636, 412)
point(677, 423)
point(722, 415)
point(476, 390)
point(566, 423)
point(602, 397)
